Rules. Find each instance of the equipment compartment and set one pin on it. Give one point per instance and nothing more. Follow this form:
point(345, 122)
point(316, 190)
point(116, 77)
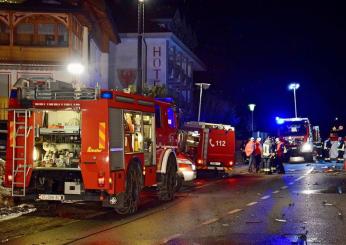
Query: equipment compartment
point(57, 139)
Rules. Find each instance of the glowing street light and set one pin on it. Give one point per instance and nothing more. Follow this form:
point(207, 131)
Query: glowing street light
point(75, 68)
point(252, 108)
point(294, 87)
point(202, 86)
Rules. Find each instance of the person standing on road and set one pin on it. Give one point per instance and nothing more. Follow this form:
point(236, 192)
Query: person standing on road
point(267, 155)
point(279, 155)
point(341, 149)
point(327, 145)
point(250, 153)
point(258, 153)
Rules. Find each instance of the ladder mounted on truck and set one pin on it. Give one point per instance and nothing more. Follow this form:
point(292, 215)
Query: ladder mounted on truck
point(20, 131)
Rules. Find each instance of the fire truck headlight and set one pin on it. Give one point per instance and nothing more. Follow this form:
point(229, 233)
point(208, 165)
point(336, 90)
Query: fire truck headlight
point(307, 147)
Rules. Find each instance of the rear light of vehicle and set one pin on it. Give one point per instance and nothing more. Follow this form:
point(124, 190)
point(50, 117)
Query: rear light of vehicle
point(230, 163)
point(200, 161)
point(10, 178)
point(101, 179)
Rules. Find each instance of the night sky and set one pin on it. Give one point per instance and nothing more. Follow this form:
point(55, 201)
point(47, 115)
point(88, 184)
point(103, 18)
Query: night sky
point(254, 49)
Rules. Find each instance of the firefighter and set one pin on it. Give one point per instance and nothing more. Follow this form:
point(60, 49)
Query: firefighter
point(279, 155)
point(327, 145)
point(258, 153)
point(341, 149)
point(267, 155)
point(250, 150)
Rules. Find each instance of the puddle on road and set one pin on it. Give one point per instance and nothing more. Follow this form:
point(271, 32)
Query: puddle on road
point(329, 190)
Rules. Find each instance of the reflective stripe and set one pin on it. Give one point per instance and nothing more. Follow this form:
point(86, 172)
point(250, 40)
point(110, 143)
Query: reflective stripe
point(102, 135)
point(11, 134)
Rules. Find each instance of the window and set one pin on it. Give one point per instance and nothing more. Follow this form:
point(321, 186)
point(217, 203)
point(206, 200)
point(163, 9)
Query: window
point(171, 118)
point(46, 35)
point(4, 34)
point(41, 30)
point(133, 132)
point(148, 137)
point(157, 116)
point(24, 34)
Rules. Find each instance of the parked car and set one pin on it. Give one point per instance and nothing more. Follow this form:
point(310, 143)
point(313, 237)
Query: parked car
point(187, 171)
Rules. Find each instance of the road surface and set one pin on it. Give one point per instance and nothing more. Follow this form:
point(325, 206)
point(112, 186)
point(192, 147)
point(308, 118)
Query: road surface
point(304, 206)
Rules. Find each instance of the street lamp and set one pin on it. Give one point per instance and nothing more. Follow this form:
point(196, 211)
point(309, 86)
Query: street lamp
point(201, 86)
point(140, 27)
point(252, 108)
point(294, 87)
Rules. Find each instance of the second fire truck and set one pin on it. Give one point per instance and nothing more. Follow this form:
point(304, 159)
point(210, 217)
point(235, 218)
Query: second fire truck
point(211, 146)
point(90, 145)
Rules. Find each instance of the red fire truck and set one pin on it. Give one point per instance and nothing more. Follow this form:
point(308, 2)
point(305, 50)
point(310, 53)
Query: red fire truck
point(89, 145)
point(301, 138)
point(211, 146)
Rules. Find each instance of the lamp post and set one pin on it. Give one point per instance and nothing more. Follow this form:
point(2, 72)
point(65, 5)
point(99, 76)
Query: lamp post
point(252, 108)
point(294, 87)
point(140, 19)
point(202, 86)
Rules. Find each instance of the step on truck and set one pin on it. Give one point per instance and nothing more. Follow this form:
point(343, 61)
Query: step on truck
point(89, 145)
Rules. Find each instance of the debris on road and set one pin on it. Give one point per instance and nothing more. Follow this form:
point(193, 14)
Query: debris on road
point(14, 212)
point(325, 203)
point(281, 220)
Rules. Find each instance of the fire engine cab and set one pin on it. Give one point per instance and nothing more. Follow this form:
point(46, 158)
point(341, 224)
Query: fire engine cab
point(90, 145)
point(300, 138)
point(211, 146)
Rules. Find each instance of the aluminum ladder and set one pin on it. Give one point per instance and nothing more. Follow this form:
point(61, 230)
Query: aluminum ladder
point(20, 168)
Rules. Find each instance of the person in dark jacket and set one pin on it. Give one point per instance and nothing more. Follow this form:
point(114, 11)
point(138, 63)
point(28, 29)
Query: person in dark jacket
point(327, 145)
point(280, 148)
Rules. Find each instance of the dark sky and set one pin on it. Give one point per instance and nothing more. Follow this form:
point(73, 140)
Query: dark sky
point(254, 49)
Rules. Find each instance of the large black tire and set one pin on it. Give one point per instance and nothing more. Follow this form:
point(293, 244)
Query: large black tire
point(167, 186)
point(133, 187)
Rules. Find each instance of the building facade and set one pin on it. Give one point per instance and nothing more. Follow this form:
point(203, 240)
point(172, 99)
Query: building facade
point(42, 41)
point(167, 62)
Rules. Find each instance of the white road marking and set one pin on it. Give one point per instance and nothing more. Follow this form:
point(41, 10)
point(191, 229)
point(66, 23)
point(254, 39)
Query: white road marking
point(265, 197)
point(291, 183)
point(251, 204)
point(284, 187)
point(210, 221)
point(171, 238)
point(301, 177)
point(234, 211)
point(277, 191)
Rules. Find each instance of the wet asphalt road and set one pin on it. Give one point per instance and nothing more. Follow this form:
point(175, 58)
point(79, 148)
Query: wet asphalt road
point(305, 206)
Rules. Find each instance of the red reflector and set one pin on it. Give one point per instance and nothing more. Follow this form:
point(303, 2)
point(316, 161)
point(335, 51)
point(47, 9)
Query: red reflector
point(199, 161)
point(231, 163)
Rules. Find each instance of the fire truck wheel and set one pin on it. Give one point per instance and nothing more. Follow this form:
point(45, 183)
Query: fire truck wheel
point(134, 182)
point(168, 183)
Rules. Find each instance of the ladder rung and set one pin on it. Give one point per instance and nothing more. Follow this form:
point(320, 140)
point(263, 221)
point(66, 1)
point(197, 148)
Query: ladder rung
point(20, 134)
point(23, 165)
point(19, 171)
point(19, 158)
point(18, 182)
point(20, 123)
point(19, 147)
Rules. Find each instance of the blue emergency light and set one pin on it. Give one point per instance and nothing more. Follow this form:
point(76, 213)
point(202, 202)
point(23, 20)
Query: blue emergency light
point(107, 95)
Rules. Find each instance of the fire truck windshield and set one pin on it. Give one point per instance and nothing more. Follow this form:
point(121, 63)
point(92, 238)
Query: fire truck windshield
point(295, 128)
